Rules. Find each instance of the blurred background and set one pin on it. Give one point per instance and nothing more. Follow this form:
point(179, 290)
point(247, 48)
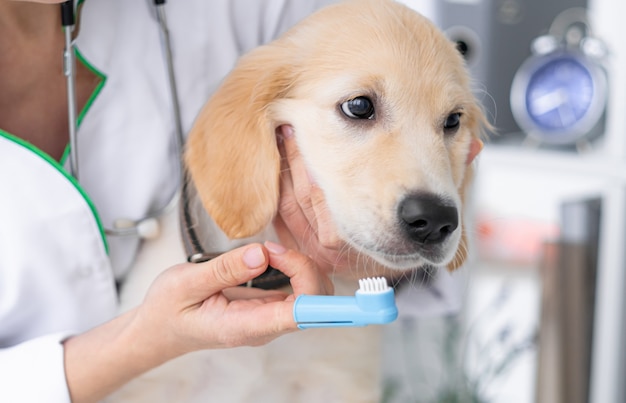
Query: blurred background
point(541, 315)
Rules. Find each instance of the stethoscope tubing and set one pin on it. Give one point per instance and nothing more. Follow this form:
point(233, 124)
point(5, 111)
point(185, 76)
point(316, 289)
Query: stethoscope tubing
point(69, 69)
point(147, 226)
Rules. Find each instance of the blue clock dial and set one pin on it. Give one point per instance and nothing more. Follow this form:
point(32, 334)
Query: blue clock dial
point(559, 94)
point(558, 98)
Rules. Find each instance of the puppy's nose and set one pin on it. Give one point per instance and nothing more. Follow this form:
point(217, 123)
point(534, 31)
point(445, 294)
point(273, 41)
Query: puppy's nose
point(429, 218)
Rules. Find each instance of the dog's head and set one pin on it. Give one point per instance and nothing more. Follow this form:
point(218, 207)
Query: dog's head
point(383, 116)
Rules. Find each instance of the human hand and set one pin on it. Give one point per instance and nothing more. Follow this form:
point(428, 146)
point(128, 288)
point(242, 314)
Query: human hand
point(303, 221)
point(199, 306)
point(191, 307)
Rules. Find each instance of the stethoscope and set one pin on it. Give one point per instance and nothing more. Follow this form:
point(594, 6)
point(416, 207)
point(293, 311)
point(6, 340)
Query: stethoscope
point(146, 227)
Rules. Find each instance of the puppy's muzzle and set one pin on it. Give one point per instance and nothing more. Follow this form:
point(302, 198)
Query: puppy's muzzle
point(428, 219)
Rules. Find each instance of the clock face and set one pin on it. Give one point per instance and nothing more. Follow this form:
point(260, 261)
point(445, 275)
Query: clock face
point(559, 94)
point(558, 98)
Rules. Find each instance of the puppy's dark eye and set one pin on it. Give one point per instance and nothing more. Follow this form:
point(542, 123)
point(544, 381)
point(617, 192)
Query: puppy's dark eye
point(358, 108)
point(452, 123)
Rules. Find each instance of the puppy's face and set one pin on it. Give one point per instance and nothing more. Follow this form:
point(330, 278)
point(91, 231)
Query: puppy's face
point(383, 117)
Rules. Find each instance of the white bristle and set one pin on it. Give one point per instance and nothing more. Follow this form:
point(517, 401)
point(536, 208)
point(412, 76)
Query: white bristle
point(373, 284)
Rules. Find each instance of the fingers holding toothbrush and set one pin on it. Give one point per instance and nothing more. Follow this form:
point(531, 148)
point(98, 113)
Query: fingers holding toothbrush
point(304, 276)
point(210, 310)
point(191, 307)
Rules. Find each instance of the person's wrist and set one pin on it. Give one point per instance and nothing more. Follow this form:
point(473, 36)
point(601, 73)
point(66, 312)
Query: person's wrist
point(101, 360)
point(149, 343)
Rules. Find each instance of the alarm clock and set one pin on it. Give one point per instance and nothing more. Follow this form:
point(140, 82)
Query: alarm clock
point(559, 94)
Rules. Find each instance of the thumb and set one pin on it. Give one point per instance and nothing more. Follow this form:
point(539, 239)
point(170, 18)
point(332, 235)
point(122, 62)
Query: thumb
point(230, 269)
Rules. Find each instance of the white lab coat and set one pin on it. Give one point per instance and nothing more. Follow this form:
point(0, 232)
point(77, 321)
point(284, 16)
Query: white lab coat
point(57, 268)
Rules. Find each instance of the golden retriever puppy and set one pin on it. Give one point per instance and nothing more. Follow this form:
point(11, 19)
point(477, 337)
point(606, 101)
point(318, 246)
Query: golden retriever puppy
point(384, 119)
point(386, 123)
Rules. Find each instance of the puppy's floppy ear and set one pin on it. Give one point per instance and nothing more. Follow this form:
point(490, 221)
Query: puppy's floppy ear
point(231, 153)
point(463, 248)
point(479, 125)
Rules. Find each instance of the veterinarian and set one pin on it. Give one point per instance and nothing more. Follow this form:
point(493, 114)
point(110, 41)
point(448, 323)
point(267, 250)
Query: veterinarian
point(60, 338)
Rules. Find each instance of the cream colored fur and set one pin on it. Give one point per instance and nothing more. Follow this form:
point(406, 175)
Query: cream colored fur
point(374, 48)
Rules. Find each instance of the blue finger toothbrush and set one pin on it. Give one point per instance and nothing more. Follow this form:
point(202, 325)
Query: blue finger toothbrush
point(373, 303)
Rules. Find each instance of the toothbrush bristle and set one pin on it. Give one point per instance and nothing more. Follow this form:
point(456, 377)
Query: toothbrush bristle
point(373, 284)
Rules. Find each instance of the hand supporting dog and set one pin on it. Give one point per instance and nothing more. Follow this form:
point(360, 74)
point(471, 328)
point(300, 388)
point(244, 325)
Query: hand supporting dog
point(303, 221)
